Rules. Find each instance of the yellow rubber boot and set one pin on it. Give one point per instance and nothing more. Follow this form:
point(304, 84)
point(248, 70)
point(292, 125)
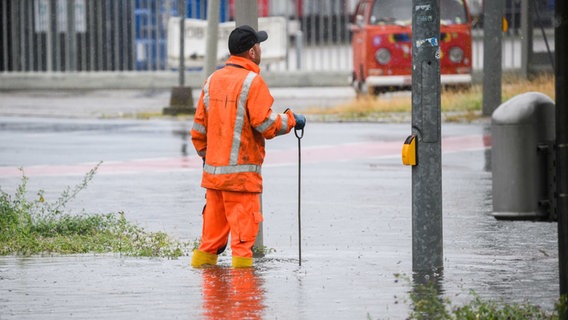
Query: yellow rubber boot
point(201, 258)
point(242, 262)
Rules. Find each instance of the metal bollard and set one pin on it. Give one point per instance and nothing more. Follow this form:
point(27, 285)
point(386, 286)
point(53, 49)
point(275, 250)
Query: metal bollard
point(523, 133)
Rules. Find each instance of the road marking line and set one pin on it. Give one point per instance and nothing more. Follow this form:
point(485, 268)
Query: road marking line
point(315, 154)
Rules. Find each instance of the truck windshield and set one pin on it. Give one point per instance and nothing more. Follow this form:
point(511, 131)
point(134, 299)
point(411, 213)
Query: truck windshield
point(399, 12)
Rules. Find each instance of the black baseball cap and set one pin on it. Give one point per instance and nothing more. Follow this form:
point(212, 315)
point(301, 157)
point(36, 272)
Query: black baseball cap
point(245, 37)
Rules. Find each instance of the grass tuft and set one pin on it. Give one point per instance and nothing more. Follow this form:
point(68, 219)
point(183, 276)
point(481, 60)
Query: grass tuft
point(30, 227)
point(428, 303)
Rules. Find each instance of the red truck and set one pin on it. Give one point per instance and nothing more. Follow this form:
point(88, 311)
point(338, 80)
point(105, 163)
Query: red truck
point(382, 44)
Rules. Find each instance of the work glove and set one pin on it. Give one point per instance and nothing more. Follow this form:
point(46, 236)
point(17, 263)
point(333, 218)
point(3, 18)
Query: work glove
point(300, 121)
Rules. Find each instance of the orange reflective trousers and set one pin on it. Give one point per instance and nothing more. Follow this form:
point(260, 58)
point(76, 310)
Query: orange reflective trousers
point(237, 213)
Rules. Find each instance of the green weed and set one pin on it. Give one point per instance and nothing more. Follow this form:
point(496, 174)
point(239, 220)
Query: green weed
point(482, 309)
point(36, 226)
point(427, 303)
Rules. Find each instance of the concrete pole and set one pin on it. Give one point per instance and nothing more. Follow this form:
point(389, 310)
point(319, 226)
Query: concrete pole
point(299, 49)
point(427, 241)
point(527, 8)
point(246, 12)
point(181, 98)
point(213, 11)
point(492, 36)
point(182, 44)
point(71, 38)
point(561, 52)
point(51, 23)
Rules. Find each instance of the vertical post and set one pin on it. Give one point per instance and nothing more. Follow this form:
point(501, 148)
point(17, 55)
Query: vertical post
point(17, 36)
point(561, 52)
point(71, 39)
point(53, 44)
point(31, 48)
point(133, 33)
point(181, 82)
point(427, 244)
point(247, 13)
point(90, 36)
point(100, 42)
point(299, 49)
point(213, 11)
point(181, 97)
point(115, 66)
point(527, 8)
point(492, 35)
point(5, 52)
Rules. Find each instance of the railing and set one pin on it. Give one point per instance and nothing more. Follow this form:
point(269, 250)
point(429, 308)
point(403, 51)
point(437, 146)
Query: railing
point(49, 36)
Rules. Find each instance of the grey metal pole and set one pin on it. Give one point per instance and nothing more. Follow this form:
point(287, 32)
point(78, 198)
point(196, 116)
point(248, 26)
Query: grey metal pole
point(116, 37)
point(561, 52)
point(527, 7)
point(213, 11)
point(71, 39)
point(492, 35)
point(50, 21)
point(5, 51)
point(133, 33)
point(299, 49)
point(246, 12)
point(181, 98)
point(427, 242)
point(182, 6)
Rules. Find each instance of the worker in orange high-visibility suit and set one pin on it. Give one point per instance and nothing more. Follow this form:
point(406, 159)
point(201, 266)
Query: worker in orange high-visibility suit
point(234, 116)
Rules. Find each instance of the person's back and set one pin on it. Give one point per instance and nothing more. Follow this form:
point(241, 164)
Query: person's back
point(238, 101)
point(233, 117)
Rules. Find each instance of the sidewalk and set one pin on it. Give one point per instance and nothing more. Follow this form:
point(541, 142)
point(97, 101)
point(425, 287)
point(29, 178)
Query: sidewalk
point(143, 103)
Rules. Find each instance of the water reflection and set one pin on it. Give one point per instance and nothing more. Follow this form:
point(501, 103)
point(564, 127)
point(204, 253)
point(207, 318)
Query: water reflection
point(487, 143)
point(232, 293)
point(183, 132)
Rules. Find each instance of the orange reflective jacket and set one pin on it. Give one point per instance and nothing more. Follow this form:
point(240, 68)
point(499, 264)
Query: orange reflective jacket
point(233, 118)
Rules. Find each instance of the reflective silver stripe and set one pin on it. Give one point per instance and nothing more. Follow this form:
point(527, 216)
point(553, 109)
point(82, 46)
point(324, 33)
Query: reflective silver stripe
point(283, 124)
point(206, 94)
point(267, 123)
point(239, 121)
point(199, 128)
point(241, 168)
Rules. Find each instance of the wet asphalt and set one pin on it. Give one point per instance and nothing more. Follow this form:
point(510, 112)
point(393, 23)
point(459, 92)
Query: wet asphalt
point(356, 217)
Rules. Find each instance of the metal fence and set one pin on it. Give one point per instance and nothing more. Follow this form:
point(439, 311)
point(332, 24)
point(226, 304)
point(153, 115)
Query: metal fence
point(62, 35)
point(131, 35)
point(119, 35)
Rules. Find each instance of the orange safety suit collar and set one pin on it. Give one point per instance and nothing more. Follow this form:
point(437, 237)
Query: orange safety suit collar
point(243, 63)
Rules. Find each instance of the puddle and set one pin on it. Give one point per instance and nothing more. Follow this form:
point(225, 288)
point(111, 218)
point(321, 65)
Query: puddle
point(356, 236)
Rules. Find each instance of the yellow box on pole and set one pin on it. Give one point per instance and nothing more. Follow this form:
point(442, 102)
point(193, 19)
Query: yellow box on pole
point(409, 151)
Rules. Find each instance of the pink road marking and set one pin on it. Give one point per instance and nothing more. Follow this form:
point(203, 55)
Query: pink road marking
point(319, 154)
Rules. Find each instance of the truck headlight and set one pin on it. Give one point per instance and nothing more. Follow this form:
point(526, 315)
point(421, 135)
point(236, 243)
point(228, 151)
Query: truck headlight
point(456, 54)
point(383, 56)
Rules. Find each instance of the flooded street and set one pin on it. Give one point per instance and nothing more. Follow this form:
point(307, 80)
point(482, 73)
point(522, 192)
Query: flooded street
point(356, 225)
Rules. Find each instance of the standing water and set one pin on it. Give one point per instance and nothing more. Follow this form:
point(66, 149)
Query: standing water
point(356, 226)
